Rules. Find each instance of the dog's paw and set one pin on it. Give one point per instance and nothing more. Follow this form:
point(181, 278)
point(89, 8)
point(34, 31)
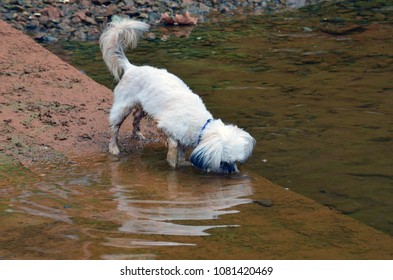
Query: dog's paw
point(172, 163)
point(184, 163)
point(114, 149)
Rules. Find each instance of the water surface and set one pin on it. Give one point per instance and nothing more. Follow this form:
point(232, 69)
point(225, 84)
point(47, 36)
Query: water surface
point(313, 87)
point(136, 207)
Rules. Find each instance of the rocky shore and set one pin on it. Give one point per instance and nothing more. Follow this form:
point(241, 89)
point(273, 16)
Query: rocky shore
point(51, 20)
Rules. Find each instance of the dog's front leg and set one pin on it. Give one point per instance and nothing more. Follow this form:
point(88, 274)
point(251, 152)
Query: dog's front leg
point(172, 155)
point(181, 156)
point(176, 154)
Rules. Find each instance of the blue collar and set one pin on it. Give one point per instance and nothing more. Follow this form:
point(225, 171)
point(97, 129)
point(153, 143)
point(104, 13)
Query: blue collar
point(202, 129)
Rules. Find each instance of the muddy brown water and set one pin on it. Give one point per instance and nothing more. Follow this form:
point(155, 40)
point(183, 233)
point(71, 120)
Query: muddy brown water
point(313, 87)
point(319, 106)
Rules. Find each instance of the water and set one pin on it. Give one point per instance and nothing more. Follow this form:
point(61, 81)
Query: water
point(135, 207)
point(313, 87)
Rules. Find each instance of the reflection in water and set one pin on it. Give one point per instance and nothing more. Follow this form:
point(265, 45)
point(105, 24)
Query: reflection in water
point(36, 209)
point(171, 203)
point(165, 203)
point(174, 200)
point(132, 243)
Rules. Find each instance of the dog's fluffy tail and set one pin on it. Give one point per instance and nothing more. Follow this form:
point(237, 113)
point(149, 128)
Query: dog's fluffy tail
point(119, 34)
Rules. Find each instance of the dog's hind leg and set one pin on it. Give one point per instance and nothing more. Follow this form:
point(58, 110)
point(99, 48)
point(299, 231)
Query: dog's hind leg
point(116, 118)
point(138, 114)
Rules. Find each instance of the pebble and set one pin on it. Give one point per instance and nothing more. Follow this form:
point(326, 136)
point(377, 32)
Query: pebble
point(60, 137)
point(264, 202)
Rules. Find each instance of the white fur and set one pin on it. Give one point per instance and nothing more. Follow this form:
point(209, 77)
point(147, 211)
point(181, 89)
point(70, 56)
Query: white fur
point(179, 112)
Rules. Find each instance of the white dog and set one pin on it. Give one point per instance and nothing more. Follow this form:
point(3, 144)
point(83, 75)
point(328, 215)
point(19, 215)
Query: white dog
point(179, 113)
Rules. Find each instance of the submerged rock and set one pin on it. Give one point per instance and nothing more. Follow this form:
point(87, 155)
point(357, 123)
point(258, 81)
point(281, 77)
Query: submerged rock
point(342, 30)
point(264, 202)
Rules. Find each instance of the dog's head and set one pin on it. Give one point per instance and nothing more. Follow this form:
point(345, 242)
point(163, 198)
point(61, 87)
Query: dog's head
point(221, 147)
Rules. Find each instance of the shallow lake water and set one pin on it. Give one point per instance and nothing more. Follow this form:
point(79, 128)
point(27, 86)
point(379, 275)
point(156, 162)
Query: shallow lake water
point(313, 87)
